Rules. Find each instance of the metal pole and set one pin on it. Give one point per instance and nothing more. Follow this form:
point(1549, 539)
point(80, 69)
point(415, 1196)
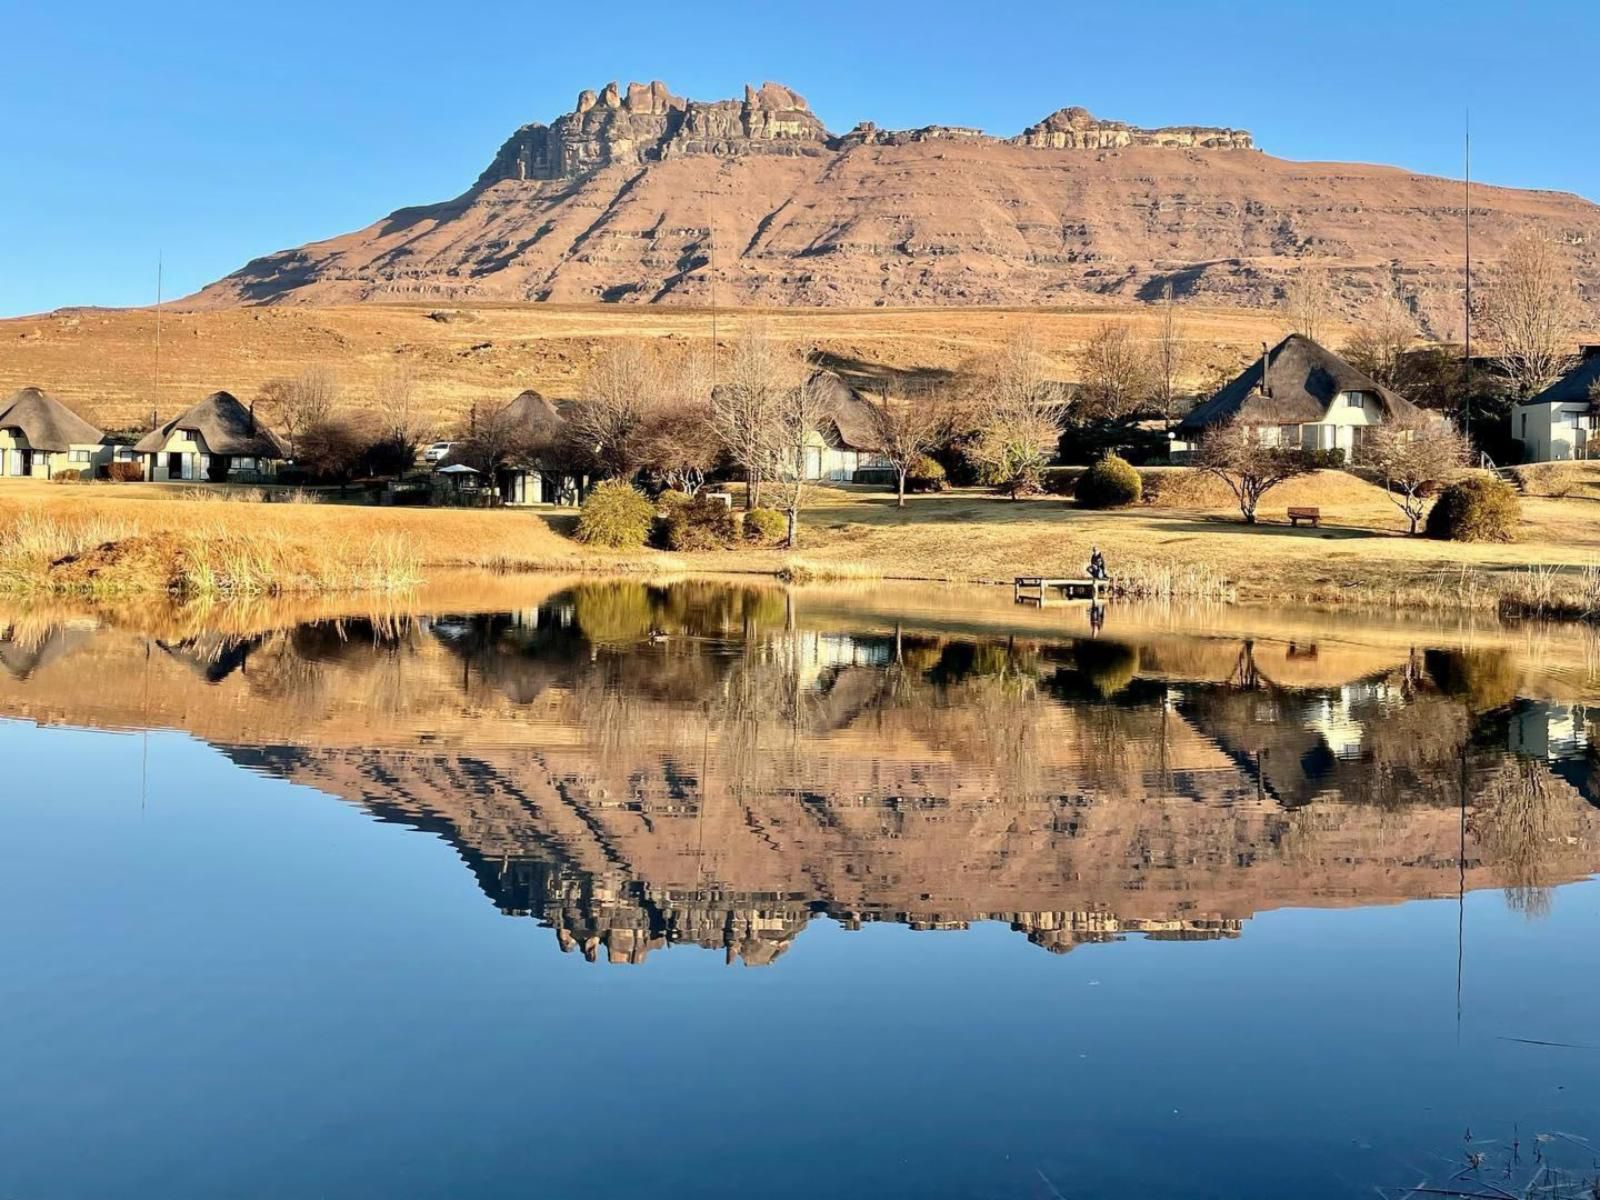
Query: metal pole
point(1466, 366)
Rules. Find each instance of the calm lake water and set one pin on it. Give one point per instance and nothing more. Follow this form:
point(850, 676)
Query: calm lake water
point(711, 891)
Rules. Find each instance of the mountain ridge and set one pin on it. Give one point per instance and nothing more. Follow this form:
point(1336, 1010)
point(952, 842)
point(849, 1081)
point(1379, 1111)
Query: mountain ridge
point(640, 195)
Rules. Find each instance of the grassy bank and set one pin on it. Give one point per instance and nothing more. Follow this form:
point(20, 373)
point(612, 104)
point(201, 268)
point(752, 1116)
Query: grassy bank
point(1186, 544)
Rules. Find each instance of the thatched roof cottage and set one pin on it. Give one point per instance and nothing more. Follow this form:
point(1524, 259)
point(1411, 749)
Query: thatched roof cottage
point(218, 440)
point(40, 438)
point(526, 439)
point(1301, 395)
point(847, 443)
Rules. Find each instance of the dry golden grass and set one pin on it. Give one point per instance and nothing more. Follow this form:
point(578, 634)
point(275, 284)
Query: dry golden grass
point(1360, 556)
point(102, 361)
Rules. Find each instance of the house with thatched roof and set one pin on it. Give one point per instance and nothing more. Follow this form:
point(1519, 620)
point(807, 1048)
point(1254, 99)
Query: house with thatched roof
point(1560, 422)
point(1300, 395)
point(41, 438)
point(218, 440)
point(518, 454)
point(846, 448)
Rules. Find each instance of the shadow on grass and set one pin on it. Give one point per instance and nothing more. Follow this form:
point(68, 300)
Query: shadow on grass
point(565, 524)
point(1329, 533)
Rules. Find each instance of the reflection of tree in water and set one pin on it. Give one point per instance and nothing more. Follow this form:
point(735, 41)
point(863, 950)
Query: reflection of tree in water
point(1482, 679)
point(1516, 817)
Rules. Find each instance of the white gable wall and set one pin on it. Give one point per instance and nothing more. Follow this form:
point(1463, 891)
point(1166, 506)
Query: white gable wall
point(1551, 432)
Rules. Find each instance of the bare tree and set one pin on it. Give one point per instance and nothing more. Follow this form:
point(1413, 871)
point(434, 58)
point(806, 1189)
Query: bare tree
point(744, 409)
point(1308, 302)
point(1020, 414)
point(1412, 457)
point(1378, 346)
point(801, 408)
point(493, 438)
point(679, 446)
point(1170, 355)
point(1529, 305)
point(299, 404)
point(1118, 374)
point(909, 421)
point(402, 425)
point(619, 393)
point(1234, 453)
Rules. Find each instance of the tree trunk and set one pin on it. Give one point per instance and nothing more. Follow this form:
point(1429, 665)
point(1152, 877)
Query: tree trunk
point(900, 493)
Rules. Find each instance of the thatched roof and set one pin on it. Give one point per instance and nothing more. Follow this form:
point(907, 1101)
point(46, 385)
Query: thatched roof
point(47, 423)
point(223, 425)
point(853, 424)
point(532, 425)
point(1303, 379)
point(1571, 388)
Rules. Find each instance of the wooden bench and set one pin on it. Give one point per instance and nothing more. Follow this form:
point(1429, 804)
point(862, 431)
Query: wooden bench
point(1034, 589)
point(1314, 515)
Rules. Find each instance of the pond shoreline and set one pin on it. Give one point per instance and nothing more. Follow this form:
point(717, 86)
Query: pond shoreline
point(57, 539)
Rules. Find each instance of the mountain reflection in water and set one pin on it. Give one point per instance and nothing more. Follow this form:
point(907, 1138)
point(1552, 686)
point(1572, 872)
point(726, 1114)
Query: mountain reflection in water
point(638, 766)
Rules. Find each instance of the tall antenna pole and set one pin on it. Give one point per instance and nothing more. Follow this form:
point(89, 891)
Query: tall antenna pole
point(155, 389)
point(1466, 366)
point(711, 228)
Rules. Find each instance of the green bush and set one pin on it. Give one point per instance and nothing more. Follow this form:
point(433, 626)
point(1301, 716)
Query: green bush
point(926, 475)
point(1476, 509)
point(1325, 460)
point(1110, 483)
point(671, 501)
point(702, 524)
point(616, 515)
point(765, 526)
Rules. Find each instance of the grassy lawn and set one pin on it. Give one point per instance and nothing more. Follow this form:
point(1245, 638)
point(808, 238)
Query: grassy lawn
point(1360, 555)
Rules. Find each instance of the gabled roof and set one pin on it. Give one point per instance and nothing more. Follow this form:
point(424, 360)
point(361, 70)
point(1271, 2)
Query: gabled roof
point(853, 422)
point(47, 423)
point(225, 427)
point(1573, 387)
point(1303, 379)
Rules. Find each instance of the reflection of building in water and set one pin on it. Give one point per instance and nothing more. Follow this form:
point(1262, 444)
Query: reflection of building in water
point(1341, 715)
point(643, 767)
point(1540, 729)
point(1557, 734)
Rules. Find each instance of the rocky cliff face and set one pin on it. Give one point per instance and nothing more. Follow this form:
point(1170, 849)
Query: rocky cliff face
point(646, 123)
point(1079, 129)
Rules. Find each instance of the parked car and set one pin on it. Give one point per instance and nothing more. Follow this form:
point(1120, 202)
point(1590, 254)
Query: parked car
point(436, 452)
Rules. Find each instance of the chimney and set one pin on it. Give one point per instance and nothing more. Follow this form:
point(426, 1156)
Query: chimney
point(1266, 361)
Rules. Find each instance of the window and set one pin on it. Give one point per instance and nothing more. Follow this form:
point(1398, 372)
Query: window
point(80, 456)
point(245, 464)
point(1356, 399)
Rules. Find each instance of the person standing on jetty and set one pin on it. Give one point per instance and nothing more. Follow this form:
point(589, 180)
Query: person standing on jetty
point(1097, 564)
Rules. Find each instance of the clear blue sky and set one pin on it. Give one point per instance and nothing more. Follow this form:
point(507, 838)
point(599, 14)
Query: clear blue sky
point(217, 132)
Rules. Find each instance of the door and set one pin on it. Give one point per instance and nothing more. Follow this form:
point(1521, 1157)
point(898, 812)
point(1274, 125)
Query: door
point(174, 466)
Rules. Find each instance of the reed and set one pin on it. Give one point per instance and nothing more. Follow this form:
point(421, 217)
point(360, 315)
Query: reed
point(800, 570)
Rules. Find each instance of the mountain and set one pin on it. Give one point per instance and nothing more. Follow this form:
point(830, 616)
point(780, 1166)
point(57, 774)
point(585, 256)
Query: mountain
point(642, 196)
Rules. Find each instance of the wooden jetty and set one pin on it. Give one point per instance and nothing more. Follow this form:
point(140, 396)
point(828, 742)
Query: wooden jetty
point(1040, 590)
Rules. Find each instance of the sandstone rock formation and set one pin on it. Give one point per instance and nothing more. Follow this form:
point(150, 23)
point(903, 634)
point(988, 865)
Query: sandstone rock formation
point(1079, 129)
point(642, 196)
point(647, 123)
